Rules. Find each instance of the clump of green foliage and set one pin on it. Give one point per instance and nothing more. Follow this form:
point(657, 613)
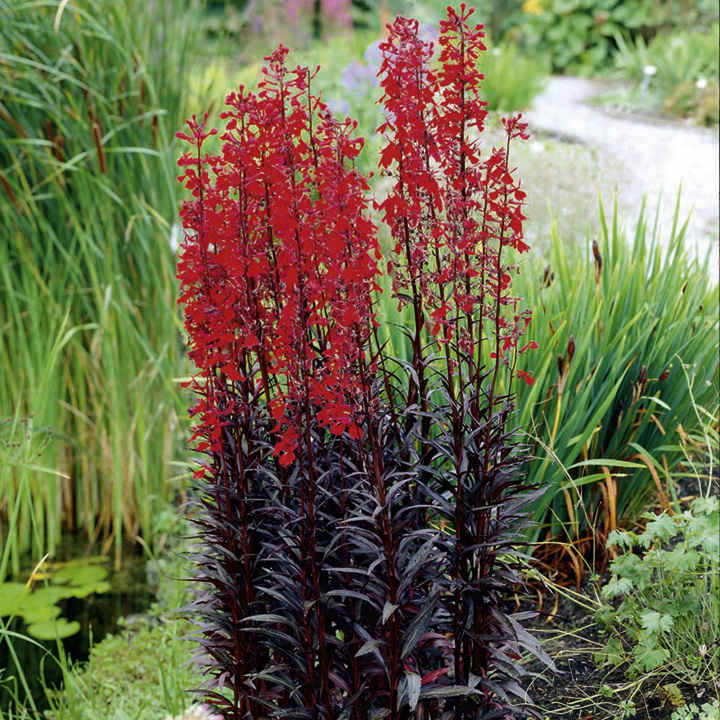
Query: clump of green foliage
point(610, 400)
point(677, 73)
point(707, 711)
point(142, 673)
point(89, 344)
point(580, 35)
point(512, 79)
point(662, 613)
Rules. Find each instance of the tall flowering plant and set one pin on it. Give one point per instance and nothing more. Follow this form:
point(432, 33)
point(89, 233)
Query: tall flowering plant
point(356, 540)
point(279, 263)
point(453, 214)
point(456, 216)
point(277, 271)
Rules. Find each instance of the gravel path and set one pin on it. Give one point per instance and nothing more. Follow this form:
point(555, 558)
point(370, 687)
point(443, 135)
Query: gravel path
point(650, 156)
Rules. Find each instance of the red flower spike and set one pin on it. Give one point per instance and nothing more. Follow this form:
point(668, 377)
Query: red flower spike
point(454, 209)
point(279, 259)
point(529, 379)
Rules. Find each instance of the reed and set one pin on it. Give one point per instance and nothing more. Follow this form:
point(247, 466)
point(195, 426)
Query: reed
point(620, 322)
point(92, 93)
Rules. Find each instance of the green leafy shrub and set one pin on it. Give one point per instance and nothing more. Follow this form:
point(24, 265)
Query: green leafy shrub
point(580, 35)
point(665, 593)
point(619, 324)
point(512, 79)
point(677, 72)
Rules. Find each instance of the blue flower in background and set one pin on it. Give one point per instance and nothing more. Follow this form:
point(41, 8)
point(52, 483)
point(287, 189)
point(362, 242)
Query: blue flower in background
point(357, 76)
point(361, 77)
point(373, 57)
point(339, 106)
point(358, 91)
point(428, 33)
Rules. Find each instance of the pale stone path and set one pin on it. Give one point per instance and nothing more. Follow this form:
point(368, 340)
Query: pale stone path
point(653, 156)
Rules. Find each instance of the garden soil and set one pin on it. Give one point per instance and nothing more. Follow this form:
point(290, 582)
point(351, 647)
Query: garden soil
point(581, 690)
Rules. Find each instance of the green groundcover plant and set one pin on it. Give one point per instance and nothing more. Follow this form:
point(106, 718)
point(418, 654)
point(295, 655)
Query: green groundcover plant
point(662, 612)
point(691, 711)
point(661, 604)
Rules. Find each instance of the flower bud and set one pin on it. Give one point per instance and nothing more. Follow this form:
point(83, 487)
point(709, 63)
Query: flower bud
point(598, 260)
point(548, 276)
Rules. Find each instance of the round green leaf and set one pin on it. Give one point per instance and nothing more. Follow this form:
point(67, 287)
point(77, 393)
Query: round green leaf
point(41, 614)
point(11, 596)
point(54, 629)
point(80, 575)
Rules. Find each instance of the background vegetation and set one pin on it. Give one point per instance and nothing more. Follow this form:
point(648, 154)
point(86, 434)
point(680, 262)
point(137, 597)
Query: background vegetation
point(89, 349)
point(92, 421)
point(676, 72)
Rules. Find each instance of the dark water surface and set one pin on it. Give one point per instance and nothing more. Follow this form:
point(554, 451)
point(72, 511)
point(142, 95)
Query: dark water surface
point(98, 614)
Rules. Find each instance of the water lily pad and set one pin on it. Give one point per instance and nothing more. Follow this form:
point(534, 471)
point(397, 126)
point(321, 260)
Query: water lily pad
point(40, 613)
point(90, 560)
point(11, 595)
point(82, 592)
point(62, 591)
point(53, 629)
point(34, 603)
point(80, 575)
point(48, 595)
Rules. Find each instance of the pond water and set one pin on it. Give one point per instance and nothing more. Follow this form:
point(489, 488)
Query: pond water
point(81, 595)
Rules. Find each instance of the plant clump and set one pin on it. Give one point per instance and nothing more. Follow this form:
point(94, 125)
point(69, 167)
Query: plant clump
point(358, 515)
point(662, 602)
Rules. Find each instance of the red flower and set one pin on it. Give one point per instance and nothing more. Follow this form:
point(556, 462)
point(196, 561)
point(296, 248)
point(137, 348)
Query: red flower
point(454, 209)
point(279, 259)
point(525, 376)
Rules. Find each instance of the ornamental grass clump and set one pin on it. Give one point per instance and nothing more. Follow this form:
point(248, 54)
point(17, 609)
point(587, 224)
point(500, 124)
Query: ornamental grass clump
point(91, 96)
point(618, 377)
point(357, 514)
